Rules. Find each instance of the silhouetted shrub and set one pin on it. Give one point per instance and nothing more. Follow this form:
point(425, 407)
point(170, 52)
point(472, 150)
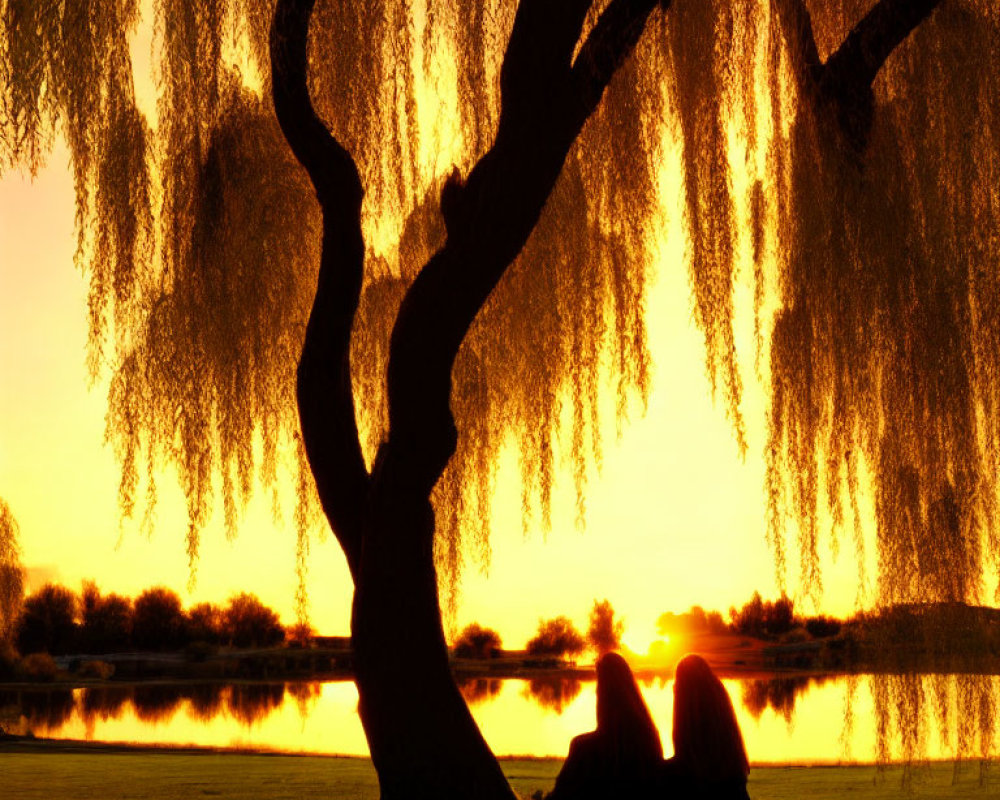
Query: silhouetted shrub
point(794, 636)
point(822, 627)
point(97, 670)
point(553, 693)
point(763, 618)
point(299, 635)
point(604, 633)
point(47, 622)
point(200, 650)
point(779, 616)
point(247, 622)
point(39, 667)
point(750, 618)
point(105, 621)
point(204, 623)
point(556, 637)
point(11, 582)
point(476, 641)
point(9, 661)
point(714, 623)
point(158, 621)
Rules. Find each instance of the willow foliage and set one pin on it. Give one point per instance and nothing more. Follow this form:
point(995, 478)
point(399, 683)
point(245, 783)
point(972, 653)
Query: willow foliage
point(199, 316)
point(884, 351)
point(200, 237)
point(11, 573)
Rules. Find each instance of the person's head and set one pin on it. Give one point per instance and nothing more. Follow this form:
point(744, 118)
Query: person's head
point(622, 716)
point(707, 738)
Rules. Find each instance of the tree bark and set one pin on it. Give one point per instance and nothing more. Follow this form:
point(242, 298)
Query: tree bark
point(325, 397)
point(424, 742)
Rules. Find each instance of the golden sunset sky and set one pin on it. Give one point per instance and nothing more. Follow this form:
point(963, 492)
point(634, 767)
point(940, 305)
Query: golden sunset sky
point(675, 518)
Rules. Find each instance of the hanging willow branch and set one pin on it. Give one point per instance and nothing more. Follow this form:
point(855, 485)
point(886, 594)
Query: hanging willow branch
point(867, 134)
point(877, 355)
point(11, 574)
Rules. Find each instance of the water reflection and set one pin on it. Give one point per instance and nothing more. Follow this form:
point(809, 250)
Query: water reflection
point(554, 693)
point(251, 702)
point(157, 703)
point(477, 690)
point(47, 711)
point(47, 708)
point(306, 695)
point(205, 701)
point(99, 704)
point(911, 711)
point(778, 694)
point(785, 719)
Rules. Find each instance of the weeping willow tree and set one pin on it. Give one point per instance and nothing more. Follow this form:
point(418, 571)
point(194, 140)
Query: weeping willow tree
point(11, 573)
point(383, 240)
point(871, 153)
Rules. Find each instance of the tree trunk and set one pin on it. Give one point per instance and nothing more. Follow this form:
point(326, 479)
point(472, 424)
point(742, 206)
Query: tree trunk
point(423, 740)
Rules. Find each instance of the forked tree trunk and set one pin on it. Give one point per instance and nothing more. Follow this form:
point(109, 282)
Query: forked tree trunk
point(423, 740)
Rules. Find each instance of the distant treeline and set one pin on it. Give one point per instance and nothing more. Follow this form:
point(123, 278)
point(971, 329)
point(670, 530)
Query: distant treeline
point(932, 636)
point(555, 638)
point(929, 635)
point(759, 618)
point(58, 621)
point(559, 638)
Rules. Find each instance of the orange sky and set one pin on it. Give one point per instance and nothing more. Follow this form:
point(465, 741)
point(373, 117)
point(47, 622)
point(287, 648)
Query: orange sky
point(674, 519)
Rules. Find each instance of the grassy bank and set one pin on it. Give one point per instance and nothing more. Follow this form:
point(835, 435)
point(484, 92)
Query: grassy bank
point(61, 771)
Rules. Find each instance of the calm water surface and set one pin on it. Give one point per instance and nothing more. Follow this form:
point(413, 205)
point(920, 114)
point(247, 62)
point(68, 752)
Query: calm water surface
point(784, 720)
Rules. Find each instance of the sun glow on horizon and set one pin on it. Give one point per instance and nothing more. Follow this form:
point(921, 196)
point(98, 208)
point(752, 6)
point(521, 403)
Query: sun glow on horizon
point(640, 640)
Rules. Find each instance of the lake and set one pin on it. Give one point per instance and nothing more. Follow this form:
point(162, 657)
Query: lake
point(785, 720)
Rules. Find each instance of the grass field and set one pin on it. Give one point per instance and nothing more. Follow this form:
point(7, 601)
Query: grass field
point(59, 771)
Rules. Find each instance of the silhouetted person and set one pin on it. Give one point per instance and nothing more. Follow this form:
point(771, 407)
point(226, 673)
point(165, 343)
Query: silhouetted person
point(710, 760)
point(622, 757)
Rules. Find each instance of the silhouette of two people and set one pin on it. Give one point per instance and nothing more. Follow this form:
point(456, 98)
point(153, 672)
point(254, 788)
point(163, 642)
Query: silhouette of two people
point(623, 757)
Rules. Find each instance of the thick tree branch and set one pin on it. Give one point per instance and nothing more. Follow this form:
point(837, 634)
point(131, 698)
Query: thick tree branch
point(608, 45)
point(844, 81)
point(546, 99)
point(868, 45)
point(329, 165)
point(325, 395)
